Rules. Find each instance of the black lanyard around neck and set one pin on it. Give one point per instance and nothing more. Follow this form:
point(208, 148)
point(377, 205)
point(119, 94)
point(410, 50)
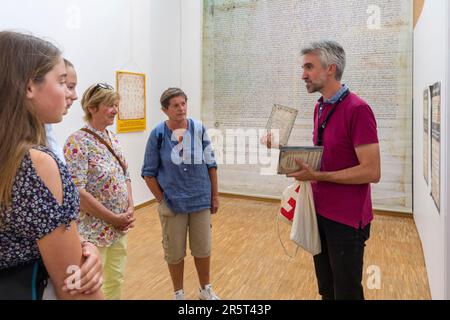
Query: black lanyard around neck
point(321, 127)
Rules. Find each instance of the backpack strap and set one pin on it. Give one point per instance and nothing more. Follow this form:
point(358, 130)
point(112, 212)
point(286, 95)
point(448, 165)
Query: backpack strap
point(199, 131)
point(160, 133)
point(198, 128)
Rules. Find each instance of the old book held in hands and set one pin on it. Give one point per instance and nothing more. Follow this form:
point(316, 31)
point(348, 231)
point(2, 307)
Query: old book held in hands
point(288, 155)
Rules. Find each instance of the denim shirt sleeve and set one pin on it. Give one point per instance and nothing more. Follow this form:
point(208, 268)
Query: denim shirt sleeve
point(151, 157)
point(208, 151)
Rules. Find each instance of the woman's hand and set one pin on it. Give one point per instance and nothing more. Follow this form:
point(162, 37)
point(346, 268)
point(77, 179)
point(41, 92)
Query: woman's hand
point(123, 221)
point(91, 274)
point(130, 211)
point(214, 204)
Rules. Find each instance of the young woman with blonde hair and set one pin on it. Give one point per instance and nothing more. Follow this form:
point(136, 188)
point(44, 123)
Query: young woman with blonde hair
point(99, 170)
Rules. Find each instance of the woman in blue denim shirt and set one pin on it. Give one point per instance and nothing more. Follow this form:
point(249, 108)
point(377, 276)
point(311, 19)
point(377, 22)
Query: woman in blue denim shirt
point(180, 170)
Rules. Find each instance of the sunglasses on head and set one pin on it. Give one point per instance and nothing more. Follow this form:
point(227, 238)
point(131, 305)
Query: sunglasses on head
point(101, 86)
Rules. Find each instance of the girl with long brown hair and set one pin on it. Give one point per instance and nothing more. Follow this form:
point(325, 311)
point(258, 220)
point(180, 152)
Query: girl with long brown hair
point(38, 200)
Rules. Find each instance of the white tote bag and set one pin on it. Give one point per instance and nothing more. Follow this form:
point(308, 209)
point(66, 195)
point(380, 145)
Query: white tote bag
point(297, 207)
point(304, 230)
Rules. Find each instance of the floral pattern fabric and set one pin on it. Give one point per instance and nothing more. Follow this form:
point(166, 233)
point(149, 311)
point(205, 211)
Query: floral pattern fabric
point(34, 213)
point(96, 170)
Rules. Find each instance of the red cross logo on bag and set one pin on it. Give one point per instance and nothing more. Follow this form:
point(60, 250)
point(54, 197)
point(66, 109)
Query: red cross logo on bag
point(288, 207)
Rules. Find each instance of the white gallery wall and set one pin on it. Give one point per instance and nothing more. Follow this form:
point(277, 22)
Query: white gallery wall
point(431, 64)
point(101, 36)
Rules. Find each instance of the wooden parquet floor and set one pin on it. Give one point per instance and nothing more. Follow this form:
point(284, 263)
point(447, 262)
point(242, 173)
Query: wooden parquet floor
point(249, 263)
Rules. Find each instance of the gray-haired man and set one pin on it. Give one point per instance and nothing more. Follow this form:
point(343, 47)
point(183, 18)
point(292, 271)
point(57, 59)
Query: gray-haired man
point(345, 126)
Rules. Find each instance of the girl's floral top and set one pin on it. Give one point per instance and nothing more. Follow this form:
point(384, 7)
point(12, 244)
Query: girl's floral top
point(34, 213)
point(96, 170)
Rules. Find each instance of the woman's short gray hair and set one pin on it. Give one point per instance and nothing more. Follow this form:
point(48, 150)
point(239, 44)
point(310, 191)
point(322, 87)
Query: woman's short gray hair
point(169, 94)
point(329, 52)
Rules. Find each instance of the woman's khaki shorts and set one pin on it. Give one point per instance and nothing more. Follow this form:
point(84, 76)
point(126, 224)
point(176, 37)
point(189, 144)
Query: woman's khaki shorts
point(174, 231)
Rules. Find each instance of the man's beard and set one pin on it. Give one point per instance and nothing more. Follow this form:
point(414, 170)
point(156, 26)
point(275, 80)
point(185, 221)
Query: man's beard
point(313, 87)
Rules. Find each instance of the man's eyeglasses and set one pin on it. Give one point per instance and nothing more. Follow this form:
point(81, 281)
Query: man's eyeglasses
point(101, 86)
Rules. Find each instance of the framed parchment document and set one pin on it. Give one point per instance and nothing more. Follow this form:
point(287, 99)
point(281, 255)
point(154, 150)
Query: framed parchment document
point(133, 102)
point(282, 118)
point(436, 144)
point(426, 134)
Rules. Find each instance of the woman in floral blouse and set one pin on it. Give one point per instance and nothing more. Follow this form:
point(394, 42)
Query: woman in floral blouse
point(99, 170)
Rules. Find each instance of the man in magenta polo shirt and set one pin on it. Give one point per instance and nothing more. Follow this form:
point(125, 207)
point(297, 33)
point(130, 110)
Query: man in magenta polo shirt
point(345, 126)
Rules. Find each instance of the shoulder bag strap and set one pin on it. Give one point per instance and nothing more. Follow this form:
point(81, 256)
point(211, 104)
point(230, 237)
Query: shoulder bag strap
point(107, 146)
